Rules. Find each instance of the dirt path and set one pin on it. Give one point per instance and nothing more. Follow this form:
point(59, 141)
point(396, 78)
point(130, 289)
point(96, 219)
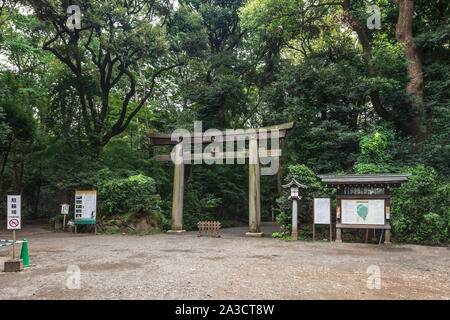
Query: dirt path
point(232, 267)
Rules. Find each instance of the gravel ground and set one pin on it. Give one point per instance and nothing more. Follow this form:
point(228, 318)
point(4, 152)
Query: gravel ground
point(167, 266)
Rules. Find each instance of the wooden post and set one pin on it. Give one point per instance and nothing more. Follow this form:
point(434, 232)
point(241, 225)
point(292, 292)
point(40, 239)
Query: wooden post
point(367, 236)
point(254, 197)
point(331, 227)
point(294, 235)
point(338, 220)
point(178, 191)
point(64, 222)
point(14, 244)
point(314, 221)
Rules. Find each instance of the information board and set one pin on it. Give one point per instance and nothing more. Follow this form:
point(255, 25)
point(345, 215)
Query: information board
point(322, 211)
point(14, 214)
point(85, 207)
point(363, 212)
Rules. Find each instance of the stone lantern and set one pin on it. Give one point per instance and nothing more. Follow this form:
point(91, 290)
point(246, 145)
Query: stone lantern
point(295, 196)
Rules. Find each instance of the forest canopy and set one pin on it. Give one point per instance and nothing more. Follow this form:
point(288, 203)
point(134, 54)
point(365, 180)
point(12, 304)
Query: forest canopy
point(367, 84)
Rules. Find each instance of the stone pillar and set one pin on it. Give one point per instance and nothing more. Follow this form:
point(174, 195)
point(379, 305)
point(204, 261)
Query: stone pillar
point(178, 191)
point(387, 237)
point(254, 196)
point(294, 234)
point(338, 235)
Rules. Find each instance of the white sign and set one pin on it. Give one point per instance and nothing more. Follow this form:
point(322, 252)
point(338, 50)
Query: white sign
point(65, 209)
point(364, 212)
point(85, 207)
point(322, 211)
point(14, 214)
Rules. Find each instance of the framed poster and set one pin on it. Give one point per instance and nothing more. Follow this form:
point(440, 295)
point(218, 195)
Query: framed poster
point(363, 212)
point(85, 207)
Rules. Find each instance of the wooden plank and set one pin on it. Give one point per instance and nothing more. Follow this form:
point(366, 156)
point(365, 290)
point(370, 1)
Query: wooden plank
point(163, 158)
point(224, 155)
point(163, 139)
point(352, 226)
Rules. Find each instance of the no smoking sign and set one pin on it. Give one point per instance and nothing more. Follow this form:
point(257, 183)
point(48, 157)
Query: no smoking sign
point(14, 223)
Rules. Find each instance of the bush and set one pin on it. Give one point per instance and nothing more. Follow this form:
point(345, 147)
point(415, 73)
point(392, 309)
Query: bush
point(198, 207)
point(134, 195)
point(420, 210)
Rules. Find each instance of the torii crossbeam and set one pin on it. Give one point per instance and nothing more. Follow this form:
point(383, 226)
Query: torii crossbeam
point(214, 153)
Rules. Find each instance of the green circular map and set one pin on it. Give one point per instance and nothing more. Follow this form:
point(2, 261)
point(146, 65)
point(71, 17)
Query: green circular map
point(362, 211)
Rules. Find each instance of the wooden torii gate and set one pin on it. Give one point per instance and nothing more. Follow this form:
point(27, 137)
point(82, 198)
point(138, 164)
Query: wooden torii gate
point(253, 154)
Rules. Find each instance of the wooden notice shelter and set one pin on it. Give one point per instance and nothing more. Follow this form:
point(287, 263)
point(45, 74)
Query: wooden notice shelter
point(363, 201)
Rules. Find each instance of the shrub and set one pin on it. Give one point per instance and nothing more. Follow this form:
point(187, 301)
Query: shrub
point(198, 207)
point(420, 210)
point(135, 195)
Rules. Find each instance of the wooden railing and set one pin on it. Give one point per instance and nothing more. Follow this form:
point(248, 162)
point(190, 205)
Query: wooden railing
point(209, 229)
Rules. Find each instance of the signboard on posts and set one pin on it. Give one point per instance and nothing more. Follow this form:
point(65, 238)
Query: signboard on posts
point(14, 214)
point(322, 211)
point(85, 207)
point(321, 214)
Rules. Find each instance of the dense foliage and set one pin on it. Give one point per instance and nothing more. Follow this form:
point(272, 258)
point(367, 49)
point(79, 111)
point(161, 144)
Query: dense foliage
point(75, 104)
point(420, 209)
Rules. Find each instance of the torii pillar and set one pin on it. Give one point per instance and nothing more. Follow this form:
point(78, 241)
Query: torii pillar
point(254, 190)
point(178, 191)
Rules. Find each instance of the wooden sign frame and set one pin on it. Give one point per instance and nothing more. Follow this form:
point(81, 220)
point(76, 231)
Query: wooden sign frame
point(362, 198)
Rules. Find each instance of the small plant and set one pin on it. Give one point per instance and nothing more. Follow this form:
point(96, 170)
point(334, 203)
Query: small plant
point(280, 235)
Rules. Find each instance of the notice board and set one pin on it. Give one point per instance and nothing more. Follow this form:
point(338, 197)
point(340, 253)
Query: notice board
point(85, 207)
point(363, 212)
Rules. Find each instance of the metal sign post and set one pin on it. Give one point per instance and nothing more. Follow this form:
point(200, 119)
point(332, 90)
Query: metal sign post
point(14, 244)
point(14, 218)
point(64, 211)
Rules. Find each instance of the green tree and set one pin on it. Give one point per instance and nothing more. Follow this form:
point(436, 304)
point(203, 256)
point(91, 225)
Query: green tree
point(118, 41)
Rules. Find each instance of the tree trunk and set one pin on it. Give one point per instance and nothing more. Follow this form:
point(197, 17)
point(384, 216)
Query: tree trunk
point(404, 35)
point(4, 161)
point(38, 193)
point(414, 125)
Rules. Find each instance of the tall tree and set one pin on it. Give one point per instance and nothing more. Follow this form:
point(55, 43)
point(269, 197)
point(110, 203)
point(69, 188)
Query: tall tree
point(104, 55)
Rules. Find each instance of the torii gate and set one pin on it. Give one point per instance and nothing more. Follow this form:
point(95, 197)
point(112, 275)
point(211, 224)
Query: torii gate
point(180, 156)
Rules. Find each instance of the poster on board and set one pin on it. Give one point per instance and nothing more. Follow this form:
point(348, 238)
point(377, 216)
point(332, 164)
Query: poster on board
point(322, 211)
point(85, 207)
point(363, 212)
